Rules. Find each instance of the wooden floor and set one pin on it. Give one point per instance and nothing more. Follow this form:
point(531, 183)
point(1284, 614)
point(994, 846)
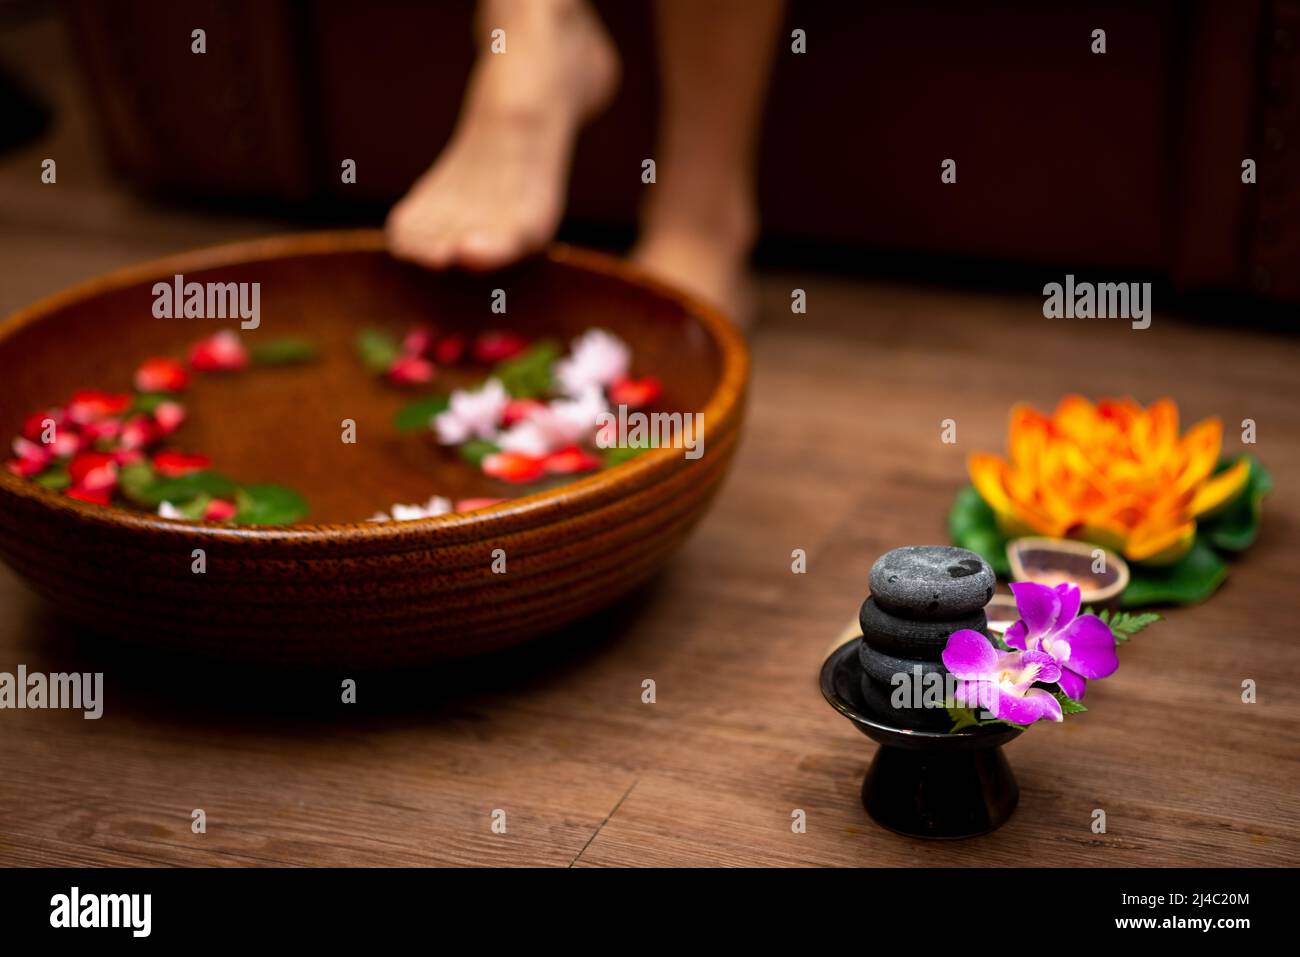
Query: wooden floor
point(843, 458)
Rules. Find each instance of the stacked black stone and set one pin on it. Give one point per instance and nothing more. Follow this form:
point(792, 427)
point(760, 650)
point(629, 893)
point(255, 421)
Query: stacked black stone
point(920, 595)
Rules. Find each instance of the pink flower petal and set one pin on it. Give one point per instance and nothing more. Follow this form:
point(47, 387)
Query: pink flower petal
point(222, 352)
point(410, 370)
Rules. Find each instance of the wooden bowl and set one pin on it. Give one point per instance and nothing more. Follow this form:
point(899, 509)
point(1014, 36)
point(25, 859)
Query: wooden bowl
point(345, 592)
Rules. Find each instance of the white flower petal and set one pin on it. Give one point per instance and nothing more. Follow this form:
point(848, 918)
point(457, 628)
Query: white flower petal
point(596, 358)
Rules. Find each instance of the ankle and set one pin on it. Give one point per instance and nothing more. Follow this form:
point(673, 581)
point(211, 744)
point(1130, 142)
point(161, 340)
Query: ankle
point(725, 217)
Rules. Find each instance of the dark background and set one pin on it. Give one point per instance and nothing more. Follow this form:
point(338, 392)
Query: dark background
point(1128, 161)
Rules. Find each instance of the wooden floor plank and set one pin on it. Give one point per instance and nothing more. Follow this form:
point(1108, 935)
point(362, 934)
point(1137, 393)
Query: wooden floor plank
point(842, 458)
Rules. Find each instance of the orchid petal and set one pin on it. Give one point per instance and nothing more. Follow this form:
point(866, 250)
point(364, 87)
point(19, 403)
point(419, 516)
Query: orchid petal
point(1039, 606)
point(969, 654)
point(1038, 666)
point(1034, 705)
point(1072, 684)
point(1070, 596)
point(1092, 647)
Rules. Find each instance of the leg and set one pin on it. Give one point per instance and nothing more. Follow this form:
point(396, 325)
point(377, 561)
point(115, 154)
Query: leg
point(497, 192)
point(700, 220)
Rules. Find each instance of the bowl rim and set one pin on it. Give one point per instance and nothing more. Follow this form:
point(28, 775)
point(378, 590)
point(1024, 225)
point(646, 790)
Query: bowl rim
point(721, 407)
point(846, 654)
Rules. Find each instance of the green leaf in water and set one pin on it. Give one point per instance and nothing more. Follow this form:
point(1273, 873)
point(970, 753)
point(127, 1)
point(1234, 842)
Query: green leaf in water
point(476, 450)
point(419, 414)
point(55, 478)
point(281, 352)
point(147, 402)
point(377, 349)
point(528, 375)
point(265, 504)
point(141, 485)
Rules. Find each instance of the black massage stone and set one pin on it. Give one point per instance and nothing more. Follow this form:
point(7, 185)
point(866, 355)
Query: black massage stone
point(926, 779)
point(881, 667)
point(912, 639)
point(931, 582)
point(879, 700)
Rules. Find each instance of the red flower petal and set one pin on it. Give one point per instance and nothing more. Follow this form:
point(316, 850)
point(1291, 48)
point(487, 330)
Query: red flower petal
point(25, 468)
point(93, 471)
point(519, 409)
point(470, 504)
point(29, 451)
point(87, 462)
point(68, 442)
point(97, 496)
point(176, 464)
point(93, 432)
point(219, 510)
point(513, 467)
point(89, 405)
point(449, 350)
point(223, 352)
point(495, 345)
point(411, 370)
point(128, 457)
point(34, 427)
point(168, 417)
point(161, 375)
point(570, 460)
point(635, 393)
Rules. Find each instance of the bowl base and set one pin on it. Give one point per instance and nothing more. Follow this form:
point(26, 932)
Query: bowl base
point(945, 795)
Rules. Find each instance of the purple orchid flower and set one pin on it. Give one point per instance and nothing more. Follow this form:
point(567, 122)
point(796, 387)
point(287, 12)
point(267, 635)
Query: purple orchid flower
point(1083, 646)
point(1001, 682)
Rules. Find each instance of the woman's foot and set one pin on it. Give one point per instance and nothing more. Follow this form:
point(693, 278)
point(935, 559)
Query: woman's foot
point(497, 191)
point(701, 244)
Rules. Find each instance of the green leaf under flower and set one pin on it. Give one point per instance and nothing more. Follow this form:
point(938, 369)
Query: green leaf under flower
point(528, 375)
point(1235, 528)
point(1191, 579)
point(968, 718)
point(973, 525)
point(962, 718)
point(417, 415)
point(1068, 704)
point(1124, 625)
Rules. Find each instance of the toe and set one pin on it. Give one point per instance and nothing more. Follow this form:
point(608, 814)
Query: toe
point(484, 249)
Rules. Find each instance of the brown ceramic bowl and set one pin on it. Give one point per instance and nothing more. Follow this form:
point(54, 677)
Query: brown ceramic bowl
point(345, 592)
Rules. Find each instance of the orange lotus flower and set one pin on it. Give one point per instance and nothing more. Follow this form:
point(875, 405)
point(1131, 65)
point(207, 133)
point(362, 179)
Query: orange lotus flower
point(1111, 473)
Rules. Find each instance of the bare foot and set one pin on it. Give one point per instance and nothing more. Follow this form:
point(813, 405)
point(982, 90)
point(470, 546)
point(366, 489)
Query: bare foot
point(497, 192)
point(703, 247)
